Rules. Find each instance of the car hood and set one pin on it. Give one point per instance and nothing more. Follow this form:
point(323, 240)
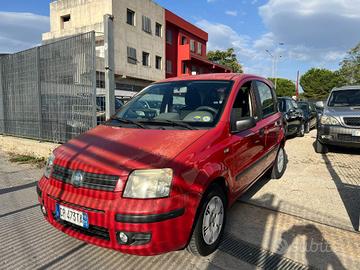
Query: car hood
point(342, 111)
point(114, 150)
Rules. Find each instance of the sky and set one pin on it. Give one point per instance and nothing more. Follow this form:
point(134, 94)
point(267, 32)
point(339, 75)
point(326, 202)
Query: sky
point(301, 33)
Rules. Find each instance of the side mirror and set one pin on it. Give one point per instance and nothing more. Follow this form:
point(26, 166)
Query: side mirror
point(319, 104)
point(243, 124)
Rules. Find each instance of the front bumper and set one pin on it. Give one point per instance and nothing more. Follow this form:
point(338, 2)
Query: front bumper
point(156, 226)
point(338, 135)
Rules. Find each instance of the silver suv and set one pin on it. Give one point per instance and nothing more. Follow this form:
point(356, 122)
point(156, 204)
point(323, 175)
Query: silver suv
point(340, 120)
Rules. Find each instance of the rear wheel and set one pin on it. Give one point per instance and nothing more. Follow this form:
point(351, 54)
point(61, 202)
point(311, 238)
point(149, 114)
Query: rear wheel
point(210, 223)
point(279, 166)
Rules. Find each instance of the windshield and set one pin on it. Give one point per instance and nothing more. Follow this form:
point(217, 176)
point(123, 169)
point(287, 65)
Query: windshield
point(194, 103)
point(345, 98)
point(304, 107)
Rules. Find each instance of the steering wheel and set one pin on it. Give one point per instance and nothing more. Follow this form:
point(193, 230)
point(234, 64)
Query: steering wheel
point(207, 108)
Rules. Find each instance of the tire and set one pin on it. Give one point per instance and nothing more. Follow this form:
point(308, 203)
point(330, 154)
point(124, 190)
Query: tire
point(200, 244)
point(279, 167)
point(307, 127)
point(320, 148)
point(301, 130)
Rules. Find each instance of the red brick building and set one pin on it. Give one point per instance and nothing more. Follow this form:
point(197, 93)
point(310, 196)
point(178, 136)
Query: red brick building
point(186, 49)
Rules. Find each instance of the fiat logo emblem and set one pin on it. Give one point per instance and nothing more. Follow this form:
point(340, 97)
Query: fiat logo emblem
point(77, 178)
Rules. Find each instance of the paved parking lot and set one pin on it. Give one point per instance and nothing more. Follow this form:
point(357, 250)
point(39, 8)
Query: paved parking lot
point(306, 219)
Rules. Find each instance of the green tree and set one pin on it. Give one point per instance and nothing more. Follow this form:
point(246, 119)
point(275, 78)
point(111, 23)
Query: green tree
point(226, 58)
point(317, 83)
point(284, 87)
point(350, 66)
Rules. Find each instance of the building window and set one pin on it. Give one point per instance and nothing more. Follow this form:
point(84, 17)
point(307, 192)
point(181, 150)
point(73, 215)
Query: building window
point(199, 48)
point(145, 59)
point(146, 24)
point(65, 20)
point(168, 66)
point(192, 45)
point(130, 19)
point(169, 37)
point(184, 68)
point(158, 29)
point(158, 62)
point(183, 40)
point(131, 55)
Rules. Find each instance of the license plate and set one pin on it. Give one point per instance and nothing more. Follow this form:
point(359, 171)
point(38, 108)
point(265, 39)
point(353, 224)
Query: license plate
point(356, 133)
point(72, 216)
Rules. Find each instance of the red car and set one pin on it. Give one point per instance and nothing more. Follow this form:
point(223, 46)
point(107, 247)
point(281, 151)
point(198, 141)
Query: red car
point(162, 173)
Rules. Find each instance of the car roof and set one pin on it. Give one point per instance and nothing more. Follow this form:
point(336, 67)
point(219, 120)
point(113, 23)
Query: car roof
point(214, 76)
point(347, 87)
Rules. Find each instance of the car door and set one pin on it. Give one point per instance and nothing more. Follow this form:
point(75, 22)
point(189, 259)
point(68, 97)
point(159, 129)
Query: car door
point(291, 117)
point(271, 122)
point(313, 114)
point(245, 147)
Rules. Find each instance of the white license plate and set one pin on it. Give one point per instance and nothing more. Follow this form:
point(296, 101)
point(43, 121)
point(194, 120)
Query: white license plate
point(72, 216)
point(356, 133)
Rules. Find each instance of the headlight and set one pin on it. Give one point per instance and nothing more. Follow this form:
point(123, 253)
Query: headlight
point(329, 120)
point(49, 166)
point(144, 184)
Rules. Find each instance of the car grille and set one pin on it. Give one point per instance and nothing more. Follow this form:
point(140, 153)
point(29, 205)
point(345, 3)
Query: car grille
point(93, 231)
point(90, 180)
point(348, 138)
point(352, 121)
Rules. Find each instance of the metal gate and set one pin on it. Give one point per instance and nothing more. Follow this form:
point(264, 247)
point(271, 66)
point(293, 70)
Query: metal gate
point(49, 92)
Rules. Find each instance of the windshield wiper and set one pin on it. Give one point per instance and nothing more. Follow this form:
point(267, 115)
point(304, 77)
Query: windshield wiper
point(127, 121)
point(171, 122)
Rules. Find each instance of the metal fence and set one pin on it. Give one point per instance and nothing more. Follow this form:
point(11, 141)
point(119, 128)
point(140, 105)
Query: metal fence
point(49, 92)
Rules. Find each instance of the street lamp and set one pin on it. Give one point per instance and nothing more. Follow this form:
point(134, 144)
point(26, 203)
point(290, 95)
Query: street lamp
point(275, 57)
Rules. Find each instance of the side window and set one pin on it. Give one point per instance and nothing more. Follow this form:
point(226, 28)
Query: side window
point(289, 105)
point(242, 106)
point(295, 105)
point(267, 101)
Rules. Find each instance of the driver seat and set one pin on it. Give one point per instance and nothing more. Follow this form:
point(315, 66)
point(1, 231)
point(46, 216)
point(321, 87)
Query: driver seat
point(192, 101)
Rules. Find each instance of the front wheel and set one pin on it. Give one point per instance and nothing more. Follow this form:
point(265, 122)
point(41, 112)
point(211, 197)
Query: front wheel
point(210, 224)
point(279, 166)
point(320, 148)
point(301, 130)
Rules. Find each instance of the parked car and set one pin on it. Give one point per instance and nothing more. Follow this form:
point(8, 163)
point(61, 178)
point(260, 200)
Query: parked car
point(310, 115)
point(340, 121)
point(293, 117)
point(146, 183)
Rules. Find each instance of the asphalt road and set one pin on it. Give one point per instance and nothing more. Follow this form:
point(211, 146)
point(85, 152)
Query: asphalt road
point(306, 219)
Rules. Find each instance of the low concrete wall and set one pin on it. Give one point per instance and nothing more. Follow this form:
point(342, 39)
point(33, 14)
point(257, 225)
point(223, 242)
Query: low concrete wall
point(29, 147)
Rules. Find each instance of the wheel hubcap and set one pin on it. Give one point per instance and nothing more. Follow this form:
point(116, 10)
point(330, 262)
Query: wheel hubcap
point(213, 220)
point(280, 160)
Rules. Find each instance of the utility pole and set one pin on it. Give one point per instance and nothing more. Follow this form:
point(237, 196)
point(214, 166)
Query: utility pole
point(275, 57)
point(109, 66)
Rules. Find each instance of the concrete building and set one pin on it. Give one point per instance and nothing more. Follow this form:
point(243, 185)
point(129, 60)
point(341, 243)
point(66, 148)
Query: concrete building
point(138, 36)
point(151, 43)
